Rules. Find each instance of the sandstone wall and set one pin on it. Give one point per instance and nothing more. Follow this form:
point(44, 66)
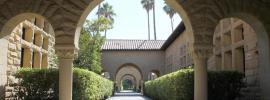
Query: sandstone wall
point(235, 48)
point(178, 54)
point(145, 60)
point(30, 37)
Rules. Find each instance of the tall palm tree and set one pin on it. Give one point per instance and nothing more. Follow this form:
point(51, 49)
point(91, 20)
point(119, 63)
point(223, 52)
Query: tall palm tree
point(170, 12)
point(154, 20)
point(106, 10)
point(148, 5)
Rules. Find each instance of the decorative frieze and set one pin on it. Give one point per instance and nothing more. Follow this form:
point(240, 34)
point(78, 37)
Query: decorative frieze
point(66, 52)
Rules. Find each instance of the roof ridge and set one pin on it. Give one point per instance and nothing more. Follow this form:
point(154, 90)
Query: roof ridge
point(132, 40)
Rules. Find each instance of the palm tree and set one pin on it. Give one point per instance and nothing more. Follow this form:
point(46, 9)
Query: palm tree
point(170, 12)
point(106, 10)
point(148, 5)
point(154, 20)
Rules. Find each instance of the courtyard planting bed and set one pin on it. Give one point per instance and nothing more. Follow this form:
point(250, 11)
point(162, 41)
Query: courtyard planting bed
point(179, 85)
point(42, 84)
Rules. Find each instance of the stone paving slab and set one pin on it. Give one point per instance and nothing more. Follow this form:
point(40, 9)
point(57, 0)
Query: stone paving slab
point(128, 95)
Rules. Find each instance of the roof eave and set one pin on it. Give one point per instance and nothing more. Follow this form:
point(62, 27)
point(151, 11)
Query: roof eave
point(178, 31)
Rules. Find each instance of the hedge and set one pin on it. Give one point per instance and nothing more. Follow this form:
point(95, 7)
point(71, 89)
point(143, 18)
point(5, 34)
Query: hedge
point(42, 84)
point(179, 85)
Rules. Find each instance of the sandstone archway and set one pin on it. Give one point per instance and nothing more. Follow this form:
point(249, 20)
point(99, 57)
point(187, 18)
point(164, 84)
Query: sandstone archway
point(200, 18)
point(130, 78)
point(129, 69)
point(153, 74)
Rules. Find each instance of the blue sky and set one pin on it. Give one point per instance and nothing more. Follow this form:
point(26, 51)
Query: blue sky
point(131, 20)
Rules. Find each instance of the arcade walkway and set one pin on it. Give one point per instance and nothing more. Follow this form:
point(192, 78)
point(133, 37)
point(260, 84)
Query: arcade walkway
point(128, 95)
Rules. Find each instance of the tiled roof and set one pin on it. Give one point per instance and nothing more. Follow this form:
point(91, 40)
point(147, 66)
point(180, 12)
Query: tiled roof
point(113, 44)
point(177, 32)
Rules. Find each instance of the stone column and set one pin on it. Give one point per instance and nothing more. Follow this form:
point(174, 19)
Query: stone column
point(66, 56)
point(200, 74)
point(142, 87)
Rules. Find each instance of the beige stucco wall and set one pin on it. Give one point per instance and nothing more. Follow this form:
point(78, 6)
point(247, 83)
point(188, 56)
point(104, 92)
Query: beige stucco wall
point(178, 54)
point(146, 61)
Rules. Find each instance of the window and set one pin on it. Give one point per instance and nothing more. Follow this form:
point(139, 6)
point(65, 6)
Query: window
point(239, 33)
point(227, 40)
point(33, 58)
point(23, 33)
point(22, 57)
point(240, 59)
point(218, 61)
point(227, 60)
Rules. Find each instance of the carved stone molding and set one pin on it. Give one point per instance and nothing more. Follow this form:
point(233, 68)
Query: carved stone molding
point(66, 52)
point(202, 52)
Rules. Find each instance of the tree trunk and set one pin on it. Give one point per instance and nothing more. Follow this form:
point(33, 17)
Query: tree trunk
point(172, 24)
point(148, 25)
point(105, 33)
point(99, 10)
point(154, 20)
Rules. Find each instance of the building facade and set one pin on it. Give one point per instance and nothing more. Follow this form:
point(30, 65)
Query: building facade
point(30, 45)
point(235, 49)
point(177, 54)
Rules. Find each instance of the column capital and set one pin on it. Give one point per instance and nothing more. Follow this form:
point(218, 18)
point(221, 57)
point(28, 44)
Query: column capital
point(202, 51)
point(66, 52)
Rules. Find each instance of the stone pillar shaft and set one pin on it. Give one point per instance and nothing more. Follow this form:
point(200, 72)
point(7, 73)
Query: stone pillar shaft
point(200, 79)
point(66, 56)
point(65, 79)
point(200, 57)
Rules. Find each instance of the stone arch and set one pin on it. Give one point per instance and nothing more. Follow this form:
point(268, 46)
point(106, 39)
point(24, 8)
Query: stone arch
point(129, 69)
point(130, 77)
point(157, 72)
point(153, 74)
point(9, 26)
point(263, 48)
point(106, 74)
point(129, 64)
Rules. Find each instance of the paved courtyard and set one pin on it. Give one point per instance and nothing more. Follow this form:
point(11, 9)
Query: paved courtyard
point(128, 95)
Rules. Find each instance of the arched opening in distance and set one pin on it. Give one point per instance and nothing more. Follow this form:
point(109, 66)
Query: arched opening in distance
point(128, 82)
point(153, 74)
point(126, 71)
point(106, 74)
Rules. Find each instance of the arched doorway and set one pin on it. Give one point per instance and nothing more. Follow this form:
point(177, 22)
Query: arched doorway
point(128, 82)
point(128, 70)
point(153, 74)
point(106, 74)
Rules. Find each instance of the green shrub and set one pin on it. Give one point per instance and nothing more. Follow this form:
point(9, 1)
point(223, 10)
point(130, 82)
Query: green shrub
point(90, 86)
point(42, 84)
point(179, 85)
point(37, 84)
